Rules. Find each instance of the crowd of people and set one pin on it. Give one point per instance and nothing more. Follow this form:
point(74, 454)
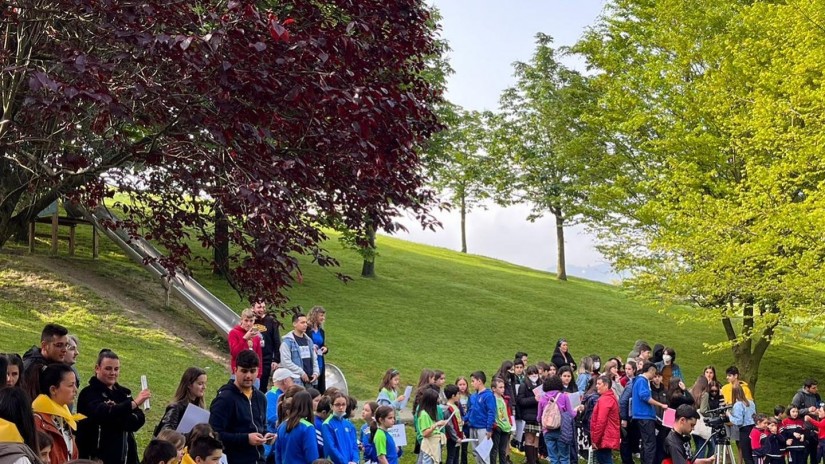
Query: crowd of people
point(561, 411)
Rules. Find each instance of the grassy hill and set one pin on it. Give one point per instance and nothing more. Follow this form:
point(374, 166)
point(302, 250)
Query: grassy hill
point(428, 307)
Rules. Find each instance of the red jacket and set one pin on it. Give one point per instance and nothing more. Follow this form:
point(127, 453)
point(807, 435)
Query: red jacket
point(605, 427)
point(238, 344)
point(59, 453)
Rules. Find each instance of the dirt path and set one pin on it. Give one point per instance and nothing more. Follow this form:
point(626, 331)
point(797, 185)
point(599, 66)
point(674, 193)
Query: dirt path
point(149, 307)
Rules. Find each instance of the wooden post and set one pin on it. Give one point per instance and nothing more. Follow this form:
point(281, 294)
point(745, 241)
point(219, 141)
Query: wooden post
point(54, 232)
point(71, 239)
point(95, 242)
point(32, 226)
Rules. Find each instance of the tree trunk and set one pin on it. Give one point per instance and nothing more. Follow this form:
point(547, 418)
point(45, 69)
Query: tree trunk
point(561, 271)
point(221, 252)
point(748, 353)
point(463, 224)
point(368, 268)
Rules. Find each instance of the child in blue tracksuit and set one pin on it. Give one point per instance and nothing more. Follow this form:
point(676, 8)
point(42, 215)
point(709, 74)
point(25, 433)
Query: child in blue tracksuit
point(296, 434)
point(366, 443)
point(340, 441)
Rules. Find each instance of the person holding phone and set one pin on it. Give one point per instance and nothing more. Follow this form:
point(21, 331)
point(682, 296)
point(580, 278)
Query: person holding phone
point(238, 413)
point(245, 336)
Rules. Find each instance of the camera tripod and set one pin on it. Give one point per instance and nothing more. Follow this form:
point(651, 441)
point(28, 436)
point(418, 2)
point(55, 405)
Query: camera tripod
point(724, 452)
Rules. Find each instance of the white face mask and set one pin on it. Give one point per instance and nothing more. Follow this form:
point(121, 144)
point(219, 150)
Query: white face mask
point(534, 378)
point(597, 365)
point(340, 414)
point(667, 358)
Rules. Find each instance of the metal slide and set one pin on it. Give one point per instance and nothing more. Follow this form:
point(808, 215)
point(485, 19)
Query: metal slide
point(220, 316)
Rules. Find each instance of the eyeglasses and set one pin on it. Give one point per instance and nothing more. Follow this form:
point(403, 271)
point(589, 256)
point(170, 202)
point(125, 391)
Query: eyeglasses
point(71, 348)
point(339, 405)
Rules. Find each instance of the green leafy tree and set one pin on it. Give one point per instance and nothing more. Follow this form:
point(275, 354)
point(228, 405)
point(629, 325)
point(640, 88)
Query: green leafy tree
point(458, 166)
point(714, 114)
point(541, 142)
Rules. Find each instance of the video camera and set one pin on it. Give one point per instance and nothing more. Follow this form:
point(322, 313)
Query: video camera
point(716, 420)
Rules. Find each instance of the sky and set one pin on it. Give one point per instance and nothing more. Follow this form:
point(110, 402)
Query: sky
point(486, 37)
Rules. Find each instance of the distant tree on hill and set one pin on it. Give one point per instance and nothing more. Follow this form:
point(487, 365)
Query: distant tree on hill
point(286, 120)
point(542, 145)
point(458, 166)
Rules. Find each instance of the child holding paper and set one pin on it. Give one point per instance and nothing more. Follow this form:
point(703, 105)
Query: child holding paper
point(388, 391)
point(429, 430)
point(381, 440)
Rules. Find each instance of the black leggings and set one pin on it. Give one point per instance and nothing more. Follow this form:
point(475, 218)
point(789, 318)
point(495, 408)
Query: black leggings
point(745, 444)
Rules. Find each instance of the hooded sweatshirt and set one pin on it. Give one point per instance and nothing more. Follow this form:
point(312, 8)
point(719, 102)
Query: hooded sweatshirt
point(234, 416)
point(238, 344)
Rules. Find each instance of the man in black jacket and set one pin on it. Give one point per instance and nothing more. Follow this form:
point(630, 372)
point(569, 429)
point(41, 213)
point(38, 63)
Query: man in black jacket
point(53, 344)
point(238, 414)
point(270, 343)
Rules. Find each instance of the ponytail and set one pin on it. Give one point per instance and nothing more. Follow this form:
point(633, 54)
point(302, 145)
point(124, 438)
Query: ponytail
point(381, 413)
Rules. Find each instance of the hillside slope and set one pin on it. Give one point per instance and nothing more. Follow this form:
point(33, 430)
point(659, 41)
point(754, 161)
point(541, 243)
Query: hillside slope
point(431, 307)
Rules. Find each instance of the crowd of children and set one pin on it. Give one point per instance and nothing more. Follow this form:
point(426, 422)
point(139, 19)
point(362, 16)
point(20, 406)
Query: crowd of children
point(540, 411)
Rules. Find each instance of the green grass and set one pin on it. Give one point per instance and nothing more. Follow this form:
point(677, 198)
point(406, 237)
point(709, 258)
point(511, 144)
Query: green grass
point(31, 297)
point(432, 307)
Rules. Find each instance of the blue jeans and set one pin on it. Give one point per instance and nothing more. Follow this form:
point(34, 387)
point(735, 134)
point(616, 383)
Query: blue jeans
point(603, 456)
point(558, 451)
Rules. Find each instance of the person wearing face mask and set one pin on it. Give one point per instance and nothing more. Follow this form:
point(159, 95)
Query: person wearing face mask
point(340, 441)
point(597, 364)
point(528, 403)
point(668, 367)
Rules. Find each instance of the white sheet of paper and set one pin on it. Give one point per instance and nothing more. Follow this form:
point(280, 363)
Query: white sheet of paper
point(575, 399)
point(398, 434)
point(144, 384)
point(407, 393)
point(192, 417)
point(519, 430)
point(538, 391)
point(483, 450)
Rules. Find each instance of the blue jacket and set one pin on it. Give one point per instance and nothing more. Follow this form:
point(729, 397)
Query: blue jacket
point(319, 435)
point(481, 411)
point(340, 442)
point(233, 417)
point(366, 443)
point(297, 446)
point(641, 409)
point(271, 415)
point(675, 370)
point(624, 401)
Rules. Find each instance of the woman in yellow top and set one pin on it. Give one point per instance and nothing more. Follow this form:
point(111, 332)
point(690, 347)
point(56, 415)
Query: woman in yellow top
point(58, 387)
point(432, 435)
